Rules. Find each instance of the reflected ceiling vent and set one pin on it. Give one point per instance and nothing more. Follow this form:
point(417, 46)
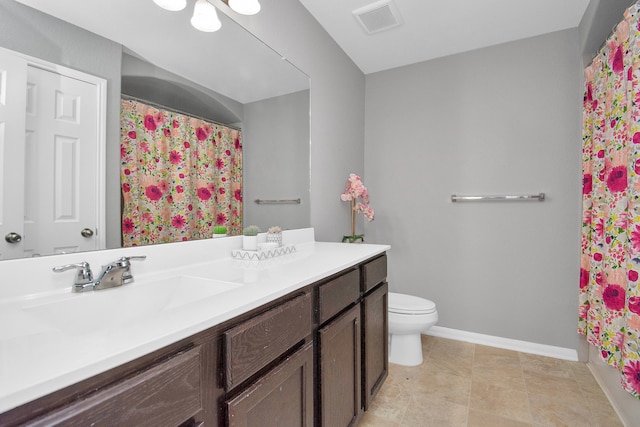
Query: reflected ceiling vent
point(379, 16)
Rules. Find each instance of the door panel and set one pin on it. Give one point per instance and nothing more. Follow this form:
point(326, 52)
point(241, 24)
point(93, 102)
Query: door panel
point(62, 119)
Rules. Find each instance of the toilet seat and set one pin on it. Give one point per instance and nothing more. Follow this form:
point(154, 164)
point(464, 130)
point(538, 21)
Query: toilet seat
point(409, 304)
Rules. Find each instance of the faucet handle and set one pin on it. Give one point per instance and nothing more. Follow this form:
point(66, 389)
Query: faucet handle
point(125, 262)
point(83, 272)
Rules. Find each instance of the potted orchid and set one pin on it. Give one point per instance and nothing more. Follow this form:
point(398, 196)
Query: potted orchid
point(356, 190)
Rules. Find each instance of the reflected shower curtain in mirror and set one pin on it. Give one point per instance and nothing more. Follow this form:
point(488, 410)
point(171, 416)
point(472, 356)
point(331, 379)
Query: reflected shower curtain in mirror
point(180, 176)
point(609, 313)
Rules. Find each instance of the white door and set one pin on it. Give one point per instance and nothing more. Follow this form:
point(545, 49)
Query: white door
point(13, 80)
point(61, 165)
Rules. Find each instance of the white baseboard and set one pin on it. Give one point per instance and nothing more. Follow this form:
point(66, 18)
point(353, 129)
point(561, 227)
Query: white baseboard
point(506, 343)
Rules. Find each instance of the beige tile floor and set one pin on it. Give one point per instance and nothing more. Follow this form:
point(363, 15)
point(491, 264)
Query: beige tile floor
point(463, 384)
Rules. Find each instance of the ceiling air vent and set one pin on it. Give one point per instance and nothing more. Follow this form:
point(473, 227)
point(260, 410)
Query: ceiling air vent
point(379, 16)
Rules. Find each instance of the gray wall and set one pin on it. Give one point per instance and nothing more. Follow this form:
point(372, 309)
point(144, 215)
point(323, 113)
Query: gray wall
point(143, 80)
point(276, 160)
point(32, 33)
point(500, 120)
point(337, 105)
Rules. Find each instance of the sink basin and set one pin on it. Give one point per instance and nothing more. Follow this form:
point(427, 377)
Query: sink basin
point(126, 305)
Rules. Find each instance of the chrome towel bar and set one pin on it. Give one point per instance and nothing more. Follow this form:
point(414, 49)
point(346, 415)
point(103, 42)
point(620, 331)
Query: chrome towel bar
point(278, 201)
point(539, 197)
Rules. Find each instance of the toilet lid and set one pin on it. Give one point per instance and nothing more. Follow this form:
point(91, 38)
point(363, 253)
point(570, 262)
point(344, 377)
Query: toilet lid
point(409, 304)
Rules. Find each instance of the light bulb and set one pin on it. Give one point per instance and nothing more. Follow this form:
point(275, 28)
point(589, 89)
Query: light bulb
point(172, 5)
point(245, 7)
point(205, 18)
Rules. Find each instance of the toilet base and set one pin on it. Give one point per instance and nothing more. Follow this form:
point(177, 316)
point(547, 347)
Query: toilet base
point(405, 349)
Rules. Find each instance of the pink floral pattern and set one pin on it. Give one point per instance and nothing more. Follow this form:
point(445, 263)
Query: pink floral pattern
point(180, 176)
point(610, 263)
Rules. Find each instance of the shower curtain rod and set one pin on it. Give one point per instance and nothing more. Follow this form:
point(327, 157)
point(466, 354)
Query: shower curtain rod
point(175, 110)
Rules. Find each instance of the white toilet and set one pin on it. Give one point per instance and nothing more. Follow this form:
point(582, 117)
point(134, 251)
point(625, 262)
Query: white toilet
point(408, 317)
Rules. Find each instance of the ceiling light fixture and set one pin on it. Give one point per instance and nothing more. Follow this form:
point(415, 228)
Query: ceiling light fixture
point(245, 7)
point(205, 18)
point(172, 5)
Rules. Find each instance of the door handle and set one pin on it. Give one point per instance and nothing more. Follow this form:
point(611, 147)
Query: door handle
point(86, 232)
point(13, 238)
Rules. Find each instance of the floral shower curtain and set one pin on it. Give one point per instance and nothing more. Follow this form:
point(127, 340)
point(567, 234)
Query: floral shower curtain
point(609, 313)
point(180, 176)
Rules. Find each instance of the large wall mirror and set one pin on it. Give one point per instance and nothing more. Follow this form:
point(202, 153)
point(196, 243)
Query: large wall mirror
point(228, 76)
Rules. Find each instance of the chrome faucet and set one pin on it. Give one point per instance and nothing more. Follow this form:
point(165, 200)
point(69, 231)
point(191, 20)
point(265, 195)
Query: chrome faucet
point(116, 273)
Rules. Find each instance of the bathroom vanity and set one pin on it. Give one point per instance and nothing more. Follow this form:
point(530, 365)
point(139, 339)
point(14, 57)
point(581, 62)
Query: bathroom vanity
point(298, 340)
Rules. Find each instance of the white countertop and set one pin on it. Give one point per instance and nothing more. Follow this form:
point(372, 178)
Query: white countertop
point(38, 357)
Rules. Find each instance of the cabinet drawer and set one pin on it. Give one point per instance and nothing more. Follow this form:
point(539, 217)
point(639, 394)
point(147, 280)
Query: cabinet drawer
point(166, 394)
point(373, 273)
point(337, 294)
point(254, 344)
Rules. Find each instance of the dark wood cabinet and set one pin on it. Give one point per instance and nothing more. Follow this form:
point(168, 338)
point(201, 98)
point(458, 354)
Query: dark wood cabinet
point(375, 327)
point(283, 397)
point(315, 357)
point(339, 351)
point(339, 370)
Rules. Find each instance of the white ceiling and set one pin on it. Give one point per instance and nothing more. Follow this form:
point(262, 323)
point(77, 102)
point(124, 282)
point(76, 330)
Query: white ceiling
point(436, 28)
point(430, 29)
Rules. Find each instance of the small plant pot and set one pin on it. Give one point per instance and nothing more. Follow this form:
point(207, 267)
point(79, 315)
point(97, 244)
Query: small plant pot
point(357, 238)
point(274, 238)
point(250, 243)
point(219, 235)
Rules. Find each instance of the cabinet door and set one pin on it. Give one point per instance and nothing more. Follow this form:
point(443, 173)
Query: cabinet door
point(339, 343)
point(281, 398)
point(376, 343)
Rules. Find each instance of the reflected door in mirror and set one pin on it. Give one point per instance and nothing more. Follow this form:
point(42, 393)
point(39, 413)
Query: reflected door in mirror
point(46, 200)
point(61, 154)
